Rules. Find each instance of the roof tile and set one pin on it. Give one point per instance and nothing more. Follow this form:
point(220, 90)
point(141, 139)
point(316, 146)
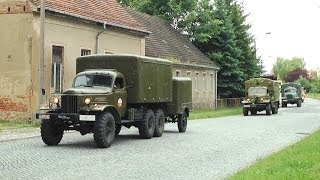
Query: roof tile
point(109, 11)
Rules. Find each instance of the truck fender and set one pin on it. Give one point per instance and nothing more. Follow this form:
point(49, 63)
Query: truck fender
point(114, 113)
point(186, 110)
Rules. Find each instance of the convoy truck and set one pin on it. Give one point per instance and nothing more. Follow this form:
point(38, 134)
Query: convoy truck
point(112, 91)
point(261, 94)
point(292, 94)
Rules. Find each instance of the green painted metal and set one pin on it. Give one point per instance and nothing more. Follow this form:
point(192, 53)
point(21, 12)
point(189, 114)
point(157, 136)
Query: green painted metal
point(182, 95)
point(149, 80)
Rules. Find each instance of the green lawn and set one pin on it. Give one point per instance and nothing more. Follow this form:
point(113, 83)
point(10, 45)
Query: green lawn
point(211, 113)
point(298, 161)
point(17, 124)
point(313, 95)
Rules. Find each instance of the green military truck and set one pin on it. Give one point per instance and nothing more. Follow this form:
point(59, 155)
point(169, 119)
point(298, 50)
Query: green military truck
point(261, 94)
point(292, 94)
point(112, 91)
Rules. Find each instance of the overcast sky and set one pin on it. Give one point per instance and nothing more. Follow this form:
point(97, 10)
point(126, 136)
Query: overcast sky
point(294, 27)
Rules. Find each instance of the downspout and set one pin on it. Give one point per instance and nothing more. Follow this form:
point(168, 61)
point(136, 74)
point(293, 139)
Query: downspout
point(97, 37)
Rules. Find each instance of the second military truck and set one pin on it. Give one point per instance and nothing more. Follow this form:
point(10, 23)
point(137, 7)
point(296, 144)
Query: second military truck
point(261, 94)
point(292, 94)
point(112, 91)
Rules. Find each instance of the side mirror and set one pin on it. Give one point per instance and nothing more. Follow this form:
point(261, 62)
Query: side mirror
point(43, 91)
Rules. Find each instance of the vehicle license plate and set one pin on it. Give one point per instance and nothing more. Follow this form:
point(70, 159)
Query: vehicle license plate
point(87, 118)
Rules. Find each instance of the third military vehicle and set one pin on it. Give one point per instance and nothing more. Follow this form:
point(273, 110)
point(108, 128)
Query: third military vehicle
point(111, 91)
point(291, 94)
point(261, 94)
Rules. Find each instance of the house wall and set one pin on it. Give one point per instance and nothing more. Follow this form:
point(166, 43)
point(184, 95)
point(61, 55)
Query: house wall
point(19, 57)
point(15, 62)
point(203, 84)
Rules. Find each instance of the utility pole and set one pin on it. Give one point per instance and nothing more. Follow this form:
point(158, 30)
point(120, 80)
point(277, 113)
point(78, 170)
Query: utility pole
point(41, 63)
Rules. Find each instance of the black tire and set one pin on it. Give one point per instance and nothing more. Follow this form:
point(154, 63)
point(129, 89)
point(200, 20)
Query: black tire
point(118, 129)
point(284, 104)
point(104, 130)
point(299, 103)
point(275, 109)
point(245, 111)
point(147, 126)
point(253, 112)
point(159, 123)
point(182, 122)
point(268, 109)
point(50, 133)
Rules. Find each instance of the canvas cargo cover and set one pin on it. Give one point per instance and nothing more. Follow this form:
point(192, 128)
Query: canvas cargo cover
point(273, 86)
point(150, 79)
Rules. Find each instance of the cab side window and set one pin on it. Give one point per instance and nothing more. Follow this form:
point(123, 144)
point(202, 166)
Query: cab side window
point(119, 83)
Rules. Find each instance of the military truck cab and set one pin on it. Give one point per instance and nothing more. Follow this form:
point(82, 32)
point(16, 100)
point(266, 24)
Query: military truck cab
point(112, 91)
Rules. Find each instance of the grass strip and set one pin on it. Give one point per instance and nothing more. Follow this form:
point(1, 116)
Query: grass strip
point(298, 161)
point(313, 95)
point(214, 113)
point(4, 124)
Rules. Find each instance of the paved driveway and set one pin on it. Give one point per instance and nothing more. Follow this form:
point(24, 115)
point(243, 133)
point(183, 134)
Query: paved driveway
point(210, 149)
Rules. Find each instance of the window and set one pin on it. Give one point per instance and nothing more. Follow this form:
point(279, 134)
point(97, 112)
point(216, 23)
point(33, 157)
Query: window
point(56, 68)
point(118, 83)
point(196, 82)
point(188, 74)
point(108, 52)
point(177, 73)
point(85, 52)
point(211, 83)
point(204, 81)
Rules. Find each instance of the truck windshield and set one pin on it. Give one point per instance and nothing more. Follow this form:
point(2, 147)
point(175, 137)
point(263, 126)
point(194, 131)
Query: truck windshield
point(290, 90)
point(89, 80)
point(257, 91)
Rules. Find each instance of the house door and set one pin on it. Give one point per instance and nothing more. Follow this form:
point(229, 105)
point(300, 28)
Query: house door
point(56, 69)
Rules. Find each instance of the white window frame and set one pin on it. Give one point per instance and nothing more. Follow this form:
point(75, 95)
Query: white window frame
point(196, 82)
point(178, 73)
point(189, 74)
point(204, 80)
point(54, 73)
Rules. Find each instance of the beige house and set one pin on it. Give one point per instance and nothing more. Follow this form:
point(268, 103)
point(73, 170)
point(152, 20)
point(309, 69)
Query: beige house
point(71, 30)
point(76, 28)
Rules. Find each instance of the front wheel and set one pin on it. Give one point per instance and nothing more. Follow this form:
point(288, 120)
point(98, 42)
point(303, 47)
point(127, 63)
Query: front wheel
point(275, 109)
point(299, 103)
point(50, 133)
point(268, 109)
point(245, 111)
point(182, 122)
point(104, 130)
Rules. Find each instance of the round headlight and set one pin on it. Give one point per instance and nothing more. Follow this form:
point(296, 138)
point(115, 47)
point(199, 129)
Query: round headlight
point(56, 100)
point(87, 101)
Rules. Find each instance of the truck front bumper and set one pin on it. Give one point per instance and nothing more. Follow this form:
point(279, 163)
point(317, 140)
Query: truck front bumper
point(290, 101)
point(255, 106)
point(70, 117)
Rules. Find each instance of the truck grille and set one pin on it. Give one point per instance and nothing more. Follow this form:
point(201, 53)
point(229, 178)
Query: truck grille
point(289, 96)
point(69, 104)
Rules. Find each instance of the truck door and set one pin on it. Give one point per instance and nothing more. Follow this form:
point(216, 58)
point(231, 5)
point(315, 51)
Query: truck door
point(120, 95)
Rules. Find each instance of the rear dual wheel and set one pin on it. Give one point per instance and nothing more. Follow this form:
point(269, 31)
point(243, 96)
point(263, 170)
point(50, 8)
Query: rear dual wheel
point(182, 122)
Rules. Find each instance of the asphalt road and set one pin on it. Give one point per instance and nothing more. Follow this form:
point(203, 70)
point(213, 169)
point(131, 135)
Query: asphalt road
point(210, 149)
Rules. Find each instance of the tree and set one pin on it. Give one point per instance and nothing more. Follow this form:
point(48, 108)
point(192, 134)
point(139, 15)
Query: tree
point(296, 74)
point(175, 11)
point(249, 62)
point(223, 50)
point(304, 83)
point(283, 66)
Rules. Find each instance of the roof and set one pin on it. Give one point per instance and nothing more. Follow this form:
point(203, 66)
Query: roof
point(166, 42)
point(108, 11)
